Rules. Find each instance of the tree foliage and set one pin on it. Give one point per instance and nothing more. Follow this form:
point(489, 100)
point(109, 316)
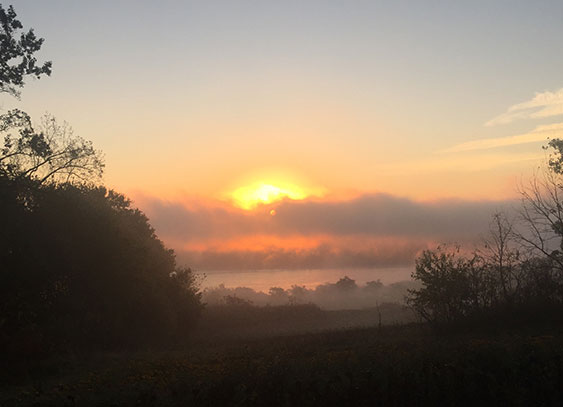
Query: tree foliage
point(53, 154)
point(79, 265)
point(83, 266)
point(17, 56)
point(555, 161)
point(450, 285)
point(518, 266)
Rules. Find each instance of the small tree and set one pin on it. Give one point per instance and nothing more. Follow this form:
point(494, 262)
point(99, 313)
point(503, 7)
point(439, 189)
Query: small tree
point(448, 289)
point(346, 284)
point(278, 296)
point(501, 262)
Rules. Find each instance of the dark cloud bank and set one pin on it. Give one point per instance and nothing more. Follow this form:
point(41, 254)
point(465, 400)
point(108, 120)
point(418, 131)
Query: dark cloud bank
point(409, 226)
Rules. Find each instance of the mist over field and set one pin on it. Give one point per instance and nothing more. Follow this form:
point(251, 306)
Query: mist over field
point(342, 294)
point(263, 280)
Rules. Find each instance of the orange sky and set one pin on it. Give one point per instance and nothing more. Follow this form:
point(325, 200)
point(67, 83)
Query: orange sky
point(350, 112)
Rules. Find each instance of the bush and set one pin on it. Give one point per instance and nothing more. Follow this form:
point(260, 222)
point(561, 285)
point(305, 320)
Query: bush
point(474, 289)
point(448, 289)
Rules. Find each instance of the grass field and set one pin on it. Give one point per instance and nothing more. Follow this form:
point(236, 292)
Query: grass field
point(392, 365)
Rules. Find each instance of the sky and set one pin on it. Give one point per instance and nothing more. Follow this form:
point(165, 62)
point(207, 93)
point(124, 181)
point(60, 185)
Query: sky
point(267, 134)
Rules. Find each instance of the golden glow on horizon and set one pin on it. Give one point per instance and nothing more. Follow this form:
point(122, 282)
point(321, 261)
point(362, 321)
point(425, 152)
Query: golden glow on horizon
point(249, 197)
point(259, 242)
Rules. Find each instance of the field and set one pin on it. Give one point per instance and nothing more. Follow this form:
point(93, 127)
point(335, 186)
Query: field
point(389, 365)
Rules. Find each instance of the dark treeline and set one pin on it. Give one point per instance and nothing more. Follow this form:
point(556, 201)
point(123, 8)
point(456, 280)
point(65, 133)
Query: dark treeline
point(343, 294)
point(79, 266)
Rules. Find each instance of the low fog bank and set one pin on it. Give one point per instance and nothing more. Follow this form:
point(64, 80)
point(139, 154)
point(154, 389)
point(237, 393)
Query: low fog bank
point(384, 252)
point(372, 230)
point(242, 312)
point(367, 215)
point(344, 294)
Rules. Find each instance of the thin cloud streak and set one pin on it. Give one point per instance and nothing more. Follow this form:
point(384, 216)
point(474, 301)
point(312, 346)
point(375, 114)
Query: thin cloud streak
point(323, 256)
point(545, 104)
point(540, 133)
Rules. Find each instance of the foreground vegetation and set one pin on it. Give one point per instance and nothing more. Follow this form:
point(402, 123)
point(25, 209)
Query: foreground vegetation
point(244, 321)
point(406, 365)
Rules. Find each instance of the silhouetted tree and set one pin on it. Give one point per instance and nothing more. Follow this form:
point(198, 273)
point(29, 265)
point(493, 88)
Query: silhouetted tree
point(278, 295)
point(54, 154)
point(500, 279)
point(374, 285)
point(542, 209)
point(447, 291)
point(297, 294)
point(234, 301)
point(79, 265)
point(541, 217)
point(17, 53)
point(346, 284)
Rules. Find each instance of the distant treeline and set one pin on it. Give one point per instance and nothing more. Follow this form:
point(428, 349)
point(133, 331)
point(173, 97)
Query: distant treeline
point(344, 294)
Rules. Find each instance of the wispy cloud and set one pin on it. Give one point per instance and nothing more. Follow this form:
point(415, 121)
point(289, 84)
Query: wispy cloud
point(545, 104)
point(540, 133)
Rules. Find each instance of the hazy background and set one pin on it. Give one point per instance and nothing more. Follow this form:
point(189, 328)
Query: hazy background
point(406, 123)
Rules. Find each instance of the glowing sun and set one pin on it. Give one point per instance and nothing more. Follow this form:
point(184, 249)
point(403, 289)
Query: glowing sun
point(250, 196)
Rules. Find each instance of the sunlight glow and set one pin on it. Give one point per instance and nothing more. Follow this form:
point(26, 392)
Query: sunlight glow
point(249, 197)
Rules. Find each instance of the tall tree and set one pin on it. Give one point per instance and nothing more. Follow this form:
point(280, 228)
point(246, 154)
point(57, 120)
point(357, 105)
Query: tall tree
point(53, 153)
point(17, 53)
